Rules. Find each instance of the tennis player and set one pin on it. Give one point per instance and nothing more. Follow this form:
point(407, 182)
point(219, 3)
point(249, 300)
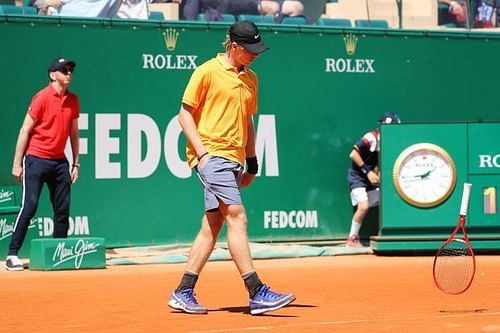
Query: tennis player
point(216, 117)
point(363, 176)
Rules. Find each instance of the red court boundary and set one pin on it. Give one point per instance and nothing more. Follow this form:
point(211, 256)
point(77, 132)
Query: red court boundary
point(362, 293)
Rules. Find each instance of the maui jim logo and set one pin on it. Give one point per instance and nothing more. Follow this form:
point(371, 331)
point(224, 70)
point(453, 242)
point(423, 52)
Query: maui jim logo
point(169, 61)
point(6, 229)
point(76, 253)
point(6, 196)
point(349, 65)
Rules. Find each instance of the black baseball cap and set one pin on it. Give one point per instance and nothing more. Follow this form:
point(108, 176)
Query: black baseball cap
point(246, 34)
point(389, 118)
point(61, 63)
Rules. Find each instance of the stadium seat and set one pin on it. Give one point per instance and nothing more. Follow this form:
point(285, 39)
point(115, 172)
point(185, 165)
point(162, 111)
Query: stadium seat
point(8, 2)
point(170, 10)
point(294, 20)
point(156, 16)
point(228, 18)
point(9, 9)
point(363, 9)
point(383, 10)
point(265, 19)
point(30, 10)
point(420, 14)
point(334, 22)
point(350, 9)
point(17, 10)
point(379, 24)
point(225, 18)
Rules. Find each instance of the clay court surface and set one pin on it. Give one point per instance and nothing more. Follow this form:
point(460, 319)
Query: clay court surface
point(353, 293)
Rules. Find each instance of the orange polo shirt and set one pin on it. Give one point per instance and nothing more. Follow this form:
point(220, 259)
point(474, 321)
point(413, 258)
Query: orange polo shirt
point(53, 115)
point(222, 98)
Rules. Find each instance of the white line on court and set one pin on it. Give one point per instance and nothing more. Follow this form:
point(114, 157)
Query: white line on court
point(339, 322)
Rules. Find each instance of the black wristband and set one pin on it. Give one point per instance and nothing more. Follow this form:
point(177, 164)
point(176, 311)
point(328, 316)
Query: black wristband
point(202, 155)
point(252, 165)
point(365, 169)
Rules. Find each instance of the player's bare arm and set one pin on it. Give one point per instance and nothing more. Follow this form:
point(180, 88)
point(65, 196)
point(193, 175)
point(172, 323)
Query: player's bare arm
point(189, 127)
point(22, 143)
point(371, 175)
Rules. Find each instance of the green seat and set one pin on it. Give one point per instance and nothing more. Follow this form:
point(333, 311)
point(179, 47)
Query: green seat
point(30, 10)
point(379, 24)
point(225, 18)
point(294, 20)
point(156, 16)
point(263, 19)
point(9, 9)
point(334, 22)
point(17, 10)
point(228, 18)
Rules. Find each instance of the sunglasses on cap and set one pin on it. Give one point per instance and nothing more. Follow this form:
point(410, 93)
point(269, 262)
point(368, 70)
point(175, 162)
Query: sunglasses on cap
point(66, 70)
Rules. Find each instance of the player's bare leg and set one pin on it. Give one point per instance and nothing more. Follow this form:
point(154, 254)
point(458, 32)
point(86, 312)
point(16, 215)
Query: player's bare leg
point(262, 299)
point(357, 220)
point(183, 298)
point(237, 239)
point(204, 242)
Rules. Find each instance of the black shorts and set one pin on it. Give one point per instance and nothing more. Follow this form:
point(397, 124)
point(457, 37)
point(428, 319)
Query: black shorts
point(357, 180)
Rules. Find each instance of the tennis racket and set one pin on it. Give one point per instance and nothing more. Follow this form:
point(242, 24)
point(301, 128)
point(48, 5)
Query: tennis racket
point(454, 264)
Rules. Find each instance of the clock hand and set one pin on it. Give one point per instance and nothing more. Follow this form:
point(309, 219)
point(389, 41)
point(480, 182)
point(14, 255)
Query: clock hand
point(411, 178)
point(422, 176)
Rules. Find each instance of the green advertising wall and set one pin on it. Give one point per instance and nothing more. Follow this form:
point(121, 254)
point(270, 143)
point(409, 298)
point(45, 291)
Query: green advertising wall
point(321, 89)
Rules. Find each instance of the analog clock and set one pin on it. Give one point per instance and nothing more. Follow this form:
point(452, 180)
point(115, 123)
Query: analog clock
point(424, 175)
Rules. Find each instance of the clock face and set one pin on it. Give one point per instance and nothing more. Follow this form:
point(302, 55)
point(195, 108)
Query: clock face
point(424, 175)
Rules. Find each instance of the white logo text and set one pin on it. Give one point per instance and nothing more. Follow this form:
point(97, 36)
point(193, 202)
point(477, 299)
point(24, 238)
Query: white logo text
point(81, 248)
point(300, 219)
point(342, 65)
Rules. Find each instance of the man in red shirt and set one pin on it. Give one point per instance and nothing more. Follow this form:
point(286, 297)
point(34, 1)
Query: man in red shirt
point(39, 158)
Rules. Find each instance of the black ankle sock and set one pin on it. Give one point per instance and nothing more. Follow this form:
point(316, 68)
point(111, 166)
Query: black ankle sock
point(188, 281)
point(252, 283)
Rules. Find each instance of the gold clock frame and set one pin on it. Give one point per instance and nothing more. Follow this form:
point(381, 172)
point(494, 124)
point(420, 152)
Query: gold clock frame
point(427, 147)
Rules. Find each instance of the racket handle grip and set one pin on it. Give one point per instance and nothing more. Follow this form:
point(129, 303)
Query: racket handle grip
point(465, 199)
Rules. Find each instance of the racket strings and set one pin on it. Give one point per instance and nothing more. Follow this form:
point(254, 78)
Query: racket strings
point(454, 267)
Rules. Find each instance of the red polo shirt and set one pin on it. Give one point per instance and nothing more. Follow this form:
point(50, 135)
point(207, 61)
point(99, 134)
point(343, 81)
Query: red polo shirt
point(53, 115)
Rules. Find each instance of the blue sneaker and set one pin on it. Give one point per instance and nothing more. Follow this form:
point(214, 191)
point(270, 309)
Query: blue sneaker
point(184, 300)
point(267, 300)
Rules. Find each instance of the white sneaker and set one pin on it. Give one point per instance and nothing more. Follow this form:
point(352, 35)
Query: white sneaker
point(353, 241)
point(12, 263)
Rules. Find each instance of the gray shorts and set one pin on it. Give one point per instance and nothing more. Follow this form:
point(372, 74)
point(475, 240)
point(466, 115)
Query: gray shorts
point(221, 180)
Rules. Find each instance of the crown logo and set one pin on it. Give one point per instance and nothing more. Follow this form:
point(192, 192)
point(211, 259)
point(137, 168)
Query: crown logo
point(170, 35)
point(350, 42)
